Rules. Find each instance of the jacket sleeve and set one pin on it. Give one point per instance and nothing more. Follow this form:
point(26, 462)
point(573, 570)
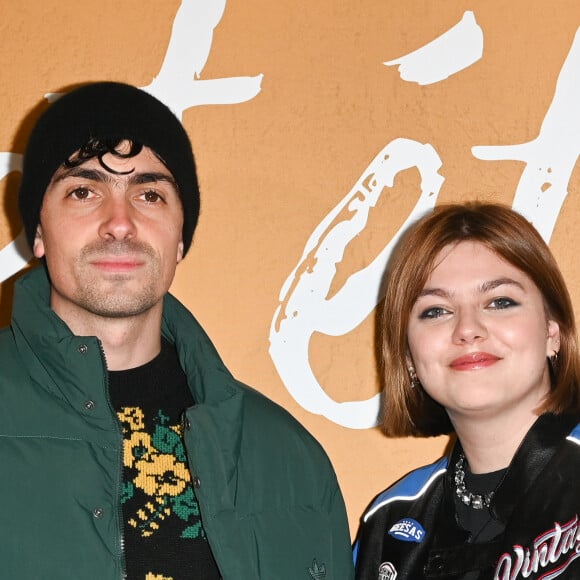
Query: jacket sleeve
point(341, 546)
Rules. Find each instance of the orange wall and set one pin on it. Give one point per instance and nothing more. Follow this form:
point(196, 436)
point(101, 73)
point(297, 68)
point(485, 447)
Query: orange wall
point(274, 165)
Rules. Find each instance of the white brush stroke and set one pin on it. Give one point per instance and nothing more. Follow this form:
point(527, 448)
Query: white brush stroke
point(455, 50)
point(304, 308)
point(16, 254)
point(550, 158)
point(178, 84)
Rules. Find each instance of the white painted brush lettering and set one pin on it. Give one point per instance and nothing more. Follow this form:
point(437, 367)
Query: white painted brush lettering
point(303, 309)
point(550, 158)
point(458, 48)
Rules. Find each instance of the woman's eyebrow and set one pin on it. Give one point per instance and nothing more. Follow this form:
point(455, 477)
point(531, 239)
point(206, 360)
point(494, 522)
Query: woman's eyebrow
point(483, 288)
point(493, 284)
point(434, 292)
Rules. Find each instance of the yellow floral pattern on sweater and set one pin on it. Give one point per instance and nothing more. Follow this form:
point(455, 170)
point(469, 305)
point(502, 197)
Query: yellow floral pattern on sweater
point(158, 463)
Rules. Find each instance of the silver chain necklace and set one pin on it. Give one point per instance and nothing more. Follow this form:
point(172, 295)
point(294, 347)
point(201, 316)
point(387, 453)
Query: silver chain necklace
point(474, 500)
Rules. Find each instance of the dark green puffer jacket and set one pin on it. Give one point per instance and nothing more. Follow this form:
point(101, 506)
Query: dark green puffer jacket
point(269, 499)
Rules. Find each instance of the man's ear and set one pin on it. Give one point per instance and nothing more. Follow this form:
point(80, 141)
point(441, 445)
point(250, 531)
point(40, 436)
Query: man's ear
point(180, 251)
point(38, 244)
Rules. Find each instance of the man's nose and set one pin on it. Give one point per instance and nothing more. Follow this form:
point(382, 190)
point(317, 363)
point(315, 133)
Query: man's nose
point(118, 221)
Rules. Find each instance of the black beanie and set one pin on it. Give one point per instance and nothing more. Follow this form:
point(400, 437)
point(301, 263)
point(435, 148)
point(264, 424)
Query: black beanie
point(106, 110)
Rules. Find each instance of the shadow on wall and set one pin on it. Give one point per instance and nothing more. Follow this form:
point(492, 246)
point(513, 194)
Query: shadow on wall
point(9, 215)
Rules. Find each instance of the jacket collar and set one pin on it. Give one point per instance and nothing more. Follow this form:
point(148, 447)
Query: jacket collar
point(50, 344)
point(535, 451)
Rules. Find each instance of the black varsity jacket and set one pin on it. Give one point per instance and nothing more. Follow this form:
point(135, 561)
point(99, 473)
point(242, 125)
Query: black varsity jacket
point(410, 531)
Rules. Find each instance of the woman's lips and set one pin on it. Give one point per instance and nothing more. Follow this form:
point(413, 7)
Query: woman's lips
point(473, 361)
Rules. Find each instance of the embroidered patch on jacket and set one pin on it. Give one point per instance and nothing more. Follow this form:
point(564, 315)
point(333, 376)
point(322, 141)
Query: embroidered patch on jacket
point(317, 572)
point(550, 554)
point(408, 530)
point(387, 571)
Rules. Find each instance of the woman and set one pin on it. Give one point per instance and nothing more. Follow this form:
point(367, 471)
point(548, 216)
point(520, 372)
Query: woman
point(480, 340)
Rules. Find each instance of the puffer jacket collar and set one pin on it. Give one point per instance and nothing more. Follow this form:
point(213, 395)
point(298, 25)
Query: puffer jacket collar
point(39, 329)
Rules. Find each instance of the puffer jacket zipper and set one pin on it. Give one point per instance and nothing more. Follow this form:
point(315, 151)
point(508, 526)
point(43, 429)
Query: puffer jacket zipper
point(118, 508)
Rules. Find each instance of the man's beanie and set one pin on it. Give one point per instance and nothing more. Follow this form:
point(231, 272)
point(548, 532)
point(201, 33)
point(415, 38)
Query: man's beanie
point(112, 111)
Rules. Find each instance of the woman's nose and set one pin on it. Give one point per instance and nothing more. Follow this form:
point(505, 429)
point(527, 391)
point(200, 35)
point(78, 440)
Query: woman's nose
point(469, 326)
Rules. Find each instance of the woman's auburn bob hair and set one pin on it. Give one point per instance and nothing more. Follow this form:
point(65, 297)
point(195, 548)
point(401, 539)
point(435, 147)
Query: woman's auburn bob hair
point(410, 411)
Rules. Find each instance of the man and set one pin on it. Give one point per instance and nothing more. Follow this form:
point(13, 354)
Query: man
point(127, 448)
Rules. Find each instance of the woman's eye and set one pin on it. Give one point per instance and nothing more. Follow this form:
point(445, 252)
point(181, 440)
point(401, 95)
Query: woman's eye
point(502, 303)
point(434, 312)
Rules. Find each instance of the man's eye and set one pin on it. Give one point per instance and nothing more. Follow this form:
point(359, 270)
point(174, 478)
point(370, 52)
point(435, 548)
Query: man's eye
point(434, 312)
point(501, 303)
point(152, 197)
point(81, 193)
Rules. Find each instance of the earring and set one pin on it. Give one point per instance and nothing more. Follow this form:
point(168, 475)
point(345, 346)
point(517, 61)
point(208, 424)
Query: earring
point(553, 359)
point(415, 383)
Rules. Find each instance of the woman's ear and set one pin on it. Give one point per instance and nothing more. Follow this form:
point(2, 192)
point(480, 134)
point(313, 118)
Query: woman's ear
point(553, 338)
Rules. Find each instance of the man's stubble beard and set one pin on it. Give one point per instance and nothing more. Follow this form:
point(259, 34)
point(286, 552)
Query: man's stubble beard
point(113, 297)
point(125, 304)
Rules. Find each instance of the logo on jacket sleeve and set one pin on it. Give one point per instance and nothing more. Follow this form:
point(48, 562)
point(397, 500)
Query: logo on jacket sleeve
point(408, 530)
point(317, 572)
point(387, 571)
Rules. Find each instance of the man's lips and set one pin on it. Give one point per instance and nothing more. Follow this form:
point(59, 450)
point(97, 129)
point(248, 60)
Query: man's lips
point(117, 264)
point(473, 361)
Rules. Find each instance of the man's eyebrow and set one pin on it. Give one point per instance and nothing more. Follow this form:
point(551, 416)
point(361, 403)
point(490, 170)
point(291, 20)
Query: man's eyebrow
point(152, 177)
point(107, 177)
point(83, 173)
